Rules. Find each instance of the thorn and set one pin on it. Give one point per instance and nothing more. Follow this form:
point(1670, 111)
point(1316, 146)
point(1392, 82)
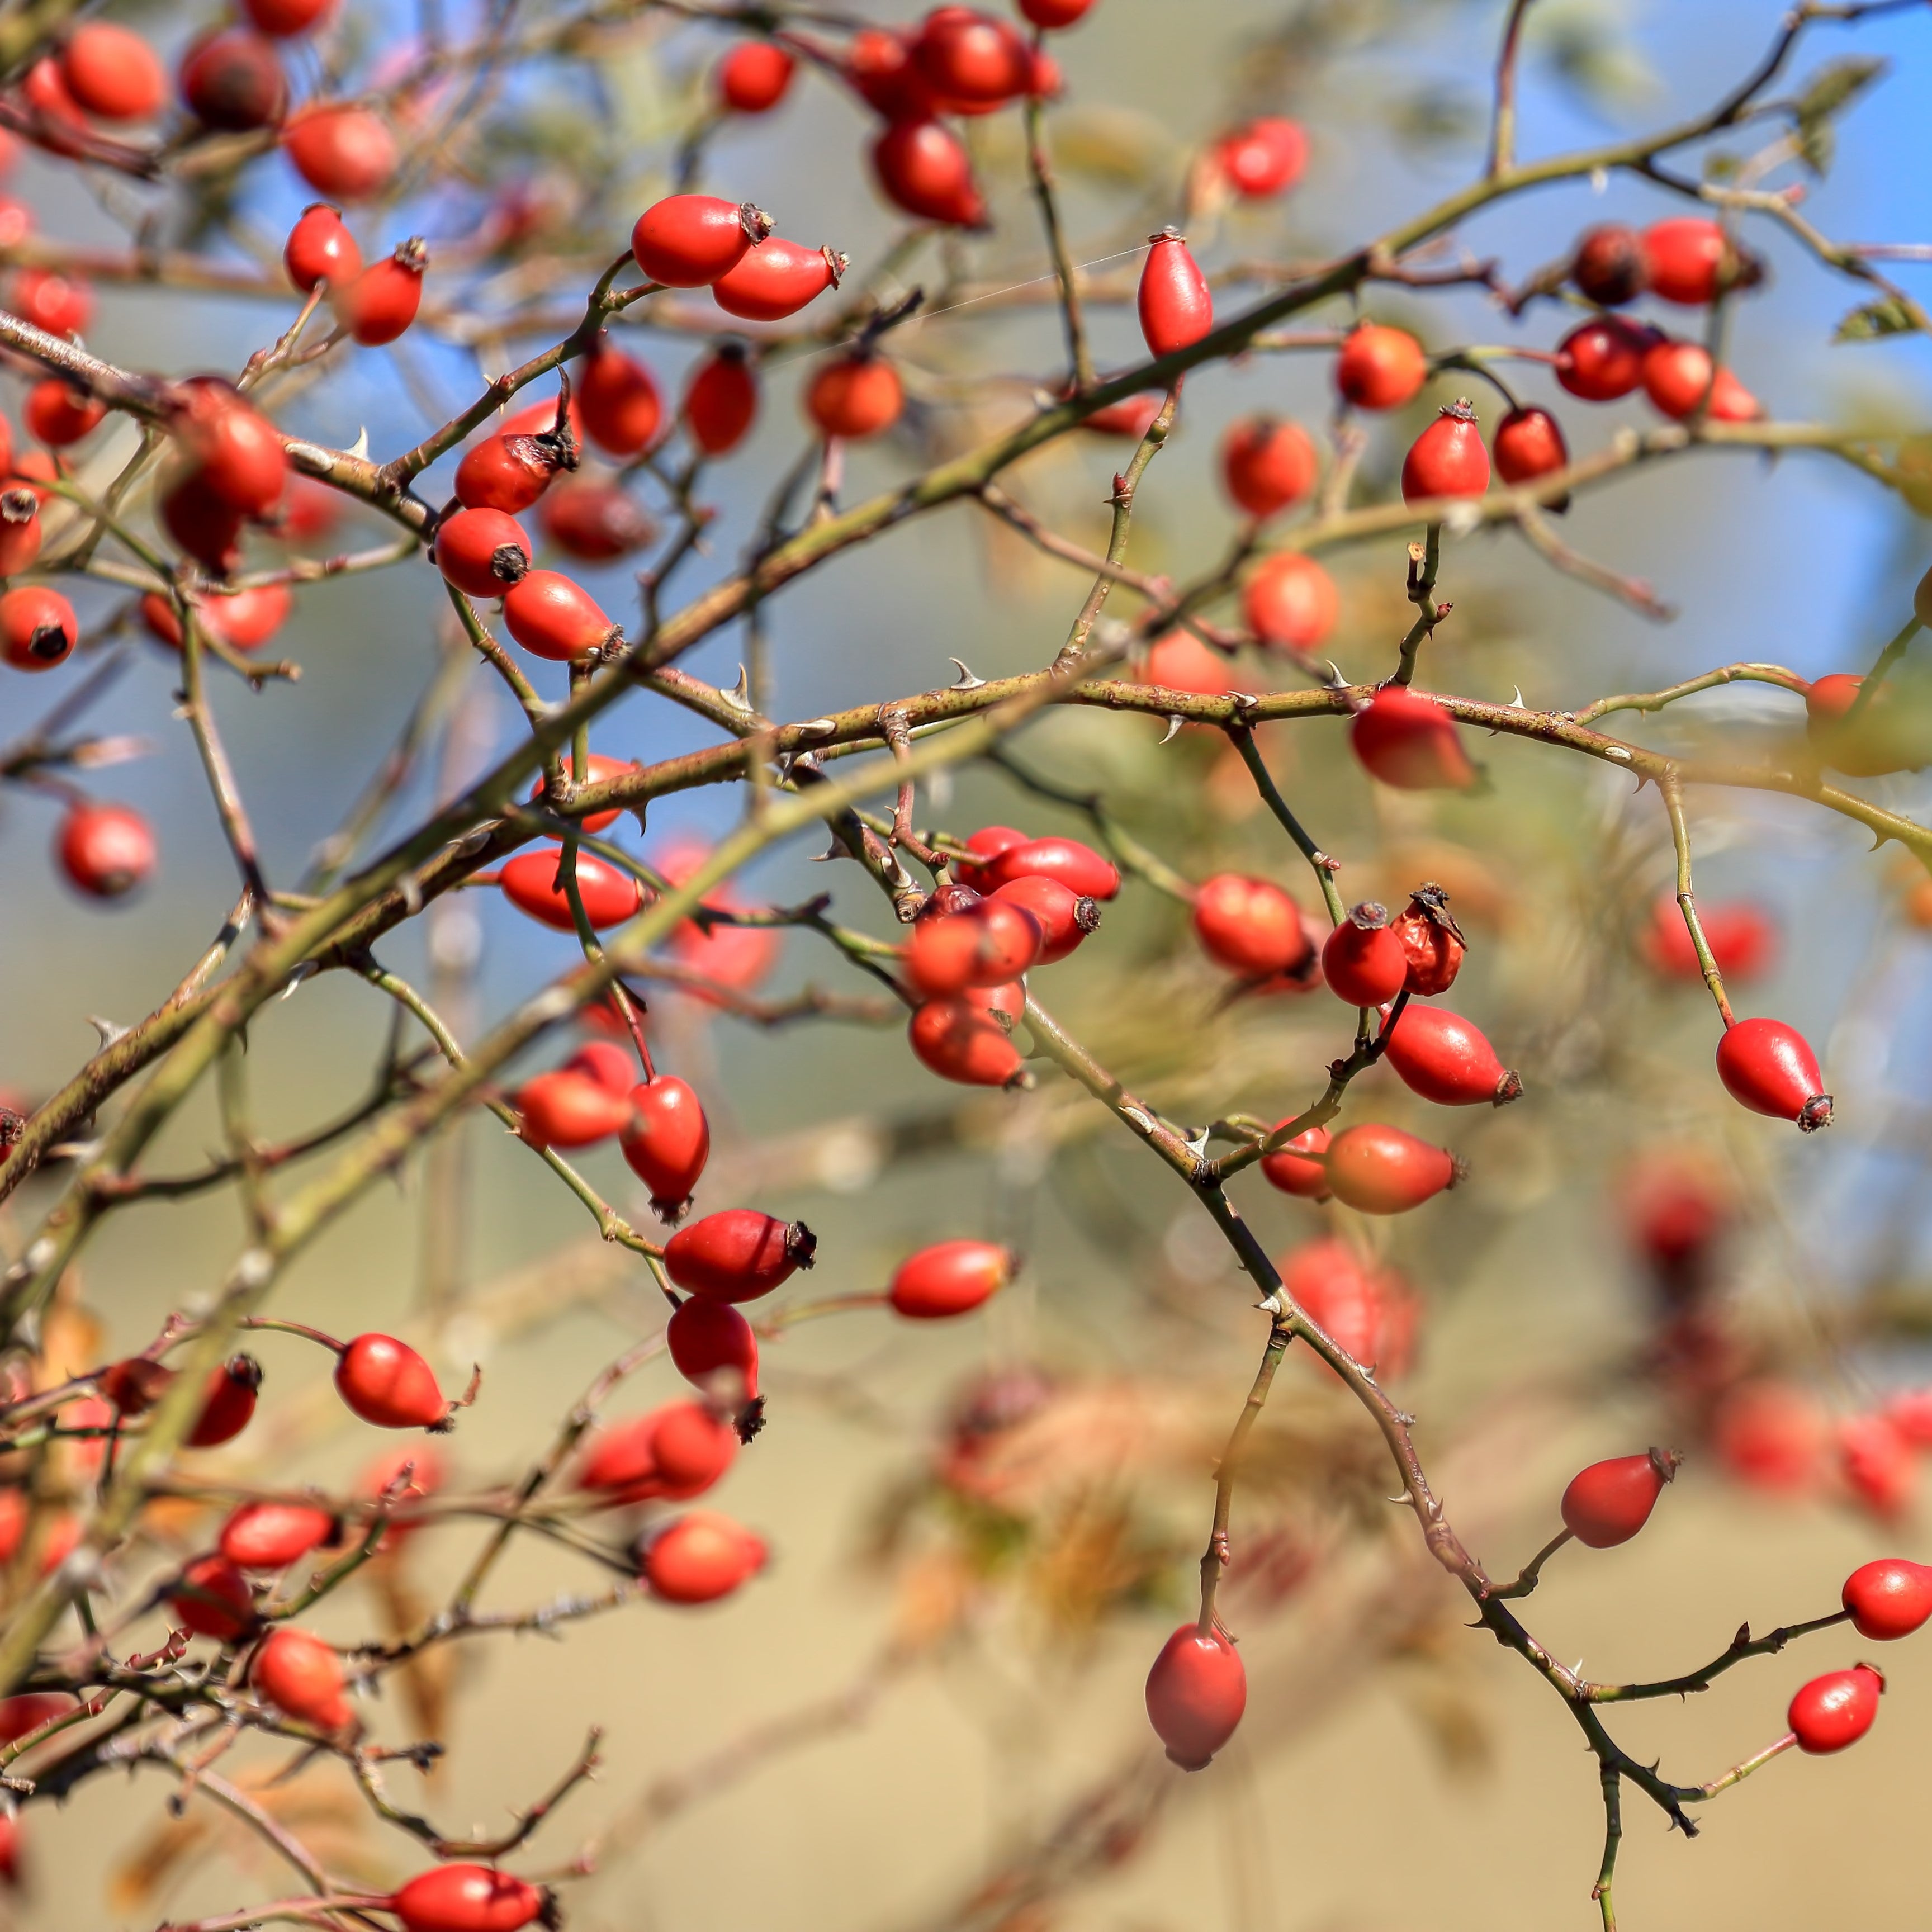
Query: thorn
point(302, 972)
point(360, 447)
point(739, 697)
point(109, 1032)
point(837, 851)
point(1174, 724)
point(1336, 681)
point(1516, 702)
point(966, 681)
point(1196, 1145)
point(1271, 1304)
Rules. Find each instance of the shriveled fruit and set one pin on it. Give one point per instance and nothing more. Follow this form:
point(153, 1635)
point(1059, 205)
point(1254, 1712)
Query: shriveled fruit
point(1433, 940)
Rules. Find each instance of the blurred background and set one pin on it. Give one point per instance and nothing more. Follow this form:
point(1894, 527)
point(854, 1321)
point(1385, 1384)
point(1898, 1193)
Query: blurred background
point(927, 1713)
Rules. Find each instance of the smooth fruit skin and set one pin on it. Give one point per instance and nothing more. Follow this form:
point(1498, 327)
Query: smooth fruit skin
point(378, 305)
point(205, 527)
point(692, 1448)
point(62, 304)
point(619, 397)
point(1678, 379)
point(961, 1041)
point(922, 166)
point(347, 153)
point(855, 397)
point(1743, 939)
point(1443, 1057)
point(1266, 157)
point(1381, 1170)
point(1078, 867)
point(1196, 1694)
point(1834, 1712)
point(481, 552)
point(701, 1557)
point(237, 451)
point(106, 850)
point(1608, 1502)
point(505, 472)
point(1180, 661)
point(721, 402)
point(1379, 367)
point(1528, 443)
point(563, 1109)
point(595, 522)
point(705, 1337)
point(989, 944)
point(668, 1141)
point(1406, 739)
point(285, 18)
point(1053, 14)
point(554, 617)
point(1877, 1464)
point(687, 241)
point(227, 1403)
point(606, 1063)
point(302, 1677)
point(1363, 961)
point(1447, 459)
point(1602, 359)
point(466, 1898)
point(777, 279)
point(609, 897)
point(58, 414)
point(950, 1278)
point(971, 60)
point(1772, 1436)
point(213, 1599)
point(989, 843)
point(1889, 1598)
point(1175, 304)
point(1291, 601)
point(1249, 925)
point(38, 628)
point(1130, 417)
point(386, 1382)
point(753, 77)
point(1432, 940)
point(1065, 917)
point(271, 1536)
point(1609, 265)
point(1689, 259)
point(597, 769)
point(738, 1255)
point(1266, 464)
point(233, 81)
point(1298, 1169)
point(1367, 1312)
point(113, 73)
point(1769, 1067)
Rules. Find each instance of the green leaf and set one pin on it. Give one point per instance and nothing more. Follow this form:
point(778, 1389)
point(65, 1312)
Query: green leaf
point(1834, 86)
point(1888, 316)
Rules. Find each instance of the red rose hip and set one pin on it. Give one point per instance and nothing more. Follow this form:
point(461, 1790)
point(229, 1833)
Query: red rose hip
point(1443, 1057)
point(1447, 459)
point(1363, 961)
point(668, 1141)
point(385, 1381)
point(1196, 1694)
point(1608, 1502)
point(1381, 1170)
point(1889, 1598)
point(738, 1255)
point(1769, 1067)
point(1176, 307)
point(950, 1278)
point(1832, 1712)
point(688, 241)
